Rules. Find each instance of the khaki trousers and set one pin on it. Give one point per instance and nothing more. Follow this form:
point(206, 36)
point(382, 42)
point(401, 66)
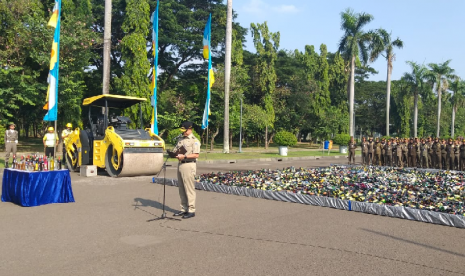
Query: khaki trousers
point(352, 156)
point(186, 183)
point(10, 147)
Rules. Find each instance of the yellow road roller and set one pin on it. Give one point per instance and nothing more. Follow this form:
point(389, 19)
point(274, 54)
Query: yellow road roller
point(109, 143)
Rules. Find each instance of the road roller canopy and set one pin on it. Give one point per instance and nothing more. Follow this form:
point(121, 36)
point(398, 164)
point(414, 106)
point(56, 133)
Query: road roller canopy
point(113, 101)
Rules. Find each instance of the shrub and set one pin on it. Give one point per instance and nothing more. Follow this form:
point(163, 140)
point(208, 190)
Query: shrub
point(2, 136)
point(446, 137)
point(342, 139)
point(285, 139)
point(174, 133)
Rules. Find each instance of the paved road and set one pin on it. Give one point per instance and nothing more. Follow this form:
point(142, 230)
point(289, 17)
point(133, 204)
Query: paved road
point(105, 232)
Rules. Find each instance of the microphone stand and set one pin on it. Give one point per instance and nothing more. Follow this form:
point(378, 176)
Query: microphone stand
point(163, 215)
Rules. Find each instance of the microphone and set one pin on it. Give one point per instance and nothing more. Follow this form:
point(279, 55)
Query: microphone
point(177, 137)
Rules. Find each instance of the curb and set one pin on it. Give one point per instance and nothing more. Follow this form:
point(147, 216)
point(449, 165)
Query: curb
point(275, 159)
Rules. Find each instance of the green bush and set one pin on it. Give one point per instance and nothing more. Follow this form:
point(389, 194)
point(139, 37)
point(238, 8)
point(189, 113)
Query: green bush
point(341, 139)
point(174, 133)
point(2, 136)
point(285, 139)
point(446, 137)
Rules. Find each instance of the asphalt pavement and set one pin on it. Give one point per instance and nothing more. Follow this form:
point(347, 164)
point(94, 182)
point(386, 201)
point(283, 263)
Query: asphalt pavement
point(105, 232)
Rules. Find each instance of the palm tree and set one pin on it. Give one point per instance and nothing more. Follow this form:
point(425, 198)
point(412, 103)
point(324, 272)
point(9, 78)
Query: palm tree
point(353, 44)
point(458, 91)
point(440, 74)
point(383, 45)
point(415, 78)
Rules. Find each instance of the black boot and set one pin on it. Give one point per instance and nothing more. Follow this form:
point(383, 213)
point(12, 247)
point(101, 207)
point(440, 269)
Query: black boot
point(6, 165)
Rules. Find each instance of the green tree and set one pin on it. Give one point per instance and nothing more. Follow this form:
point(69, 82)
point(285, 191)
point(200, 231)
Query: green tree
point(382, 44)
point(416, 79)
point(354, 44)
point(267, 44)
point(440, 74)
point(458, 90)
point(134, 80)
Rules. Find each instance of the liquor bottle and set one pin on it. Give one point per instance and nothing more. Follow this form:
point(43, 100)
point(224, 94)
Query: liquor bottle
point(59, 163)
point(13, 165)
point(45, 164)
point(52, 164)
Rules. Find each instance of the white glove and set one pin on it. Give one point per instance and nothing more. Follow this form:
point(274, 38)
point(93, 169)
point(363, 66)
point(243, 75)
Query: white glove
point(16, 141)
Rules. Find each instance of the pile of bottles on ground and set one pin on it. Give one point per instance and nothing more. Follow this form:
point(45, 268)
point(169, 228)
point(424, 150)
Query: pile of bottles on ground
point(36, 162)
point(441, 191)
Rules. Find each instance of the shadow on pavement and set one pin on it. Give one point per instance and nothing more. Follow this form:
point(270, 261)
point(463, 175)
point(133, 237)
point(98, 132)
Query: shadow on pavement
point(413, 242)
point(151, 203)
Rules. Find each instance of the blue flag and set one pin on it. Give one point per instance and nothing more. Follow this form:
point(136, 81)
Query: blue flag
point(52, 91)
point(154, 19)
point(211, 77)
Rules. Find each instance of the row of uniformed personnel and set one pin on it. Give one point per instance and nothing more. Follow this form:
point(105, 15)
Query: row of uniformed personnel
point(413, 152)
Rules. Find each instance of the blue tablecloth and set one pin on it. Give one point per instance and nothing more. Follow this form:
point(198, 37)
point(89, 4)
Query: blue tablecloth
point(36, 188)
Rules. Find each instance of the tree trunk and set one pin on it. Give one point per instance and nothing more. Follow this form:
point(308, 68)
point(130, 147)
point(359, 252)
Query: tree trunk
point(106, 48)
point(271, 138)
point(452, 129)
point(212, 138)
point(351, 96)
point(415, 114)
point(227, 75)
point(439, 108)
point(388, 94)
point(230, 140)
point(266, 137)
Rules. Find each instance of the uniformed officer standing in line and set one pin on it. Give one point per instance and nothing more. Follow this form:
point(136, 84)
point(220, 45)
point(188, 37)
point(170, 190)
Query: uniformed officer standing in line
point(456, 155)
point(64, 135)
point(371, 145)
point(364, 151)
point(437, 153)
point(449, 155)
point(388, 148)
point(462, 156)
point(430, 153)
point(394, 151)
point(424, 149)
point(399, 154)
point(352, 146)
point(404, 152)
point(417, 141)
point(383, 152)
point(412, 152)
point(444, 155)
point(186, 170)
point(378, 150)
point(11, 140)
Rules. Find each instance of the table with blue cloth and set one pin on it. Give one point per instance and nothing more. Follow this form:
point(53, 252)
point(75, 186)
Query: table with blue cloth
point(28, 188)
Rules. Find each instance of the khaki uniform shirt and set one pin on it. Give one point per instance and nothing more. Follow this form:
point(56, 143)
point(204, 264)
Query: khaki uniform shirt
point(191, 144)
point(11, 136)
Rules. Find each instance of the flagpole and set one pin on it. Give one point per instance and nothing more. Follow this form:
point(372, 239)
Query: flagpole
point(55, 142)
point(206, 146)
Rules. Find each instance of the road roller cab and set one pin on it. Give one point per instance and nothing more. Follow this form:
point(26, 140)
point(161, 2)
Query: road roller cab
point(109, 143)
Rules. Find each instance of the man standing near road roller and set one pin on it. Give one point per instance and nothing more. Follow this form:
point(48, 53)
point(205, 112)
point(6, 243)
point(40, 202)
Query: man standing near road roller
point(64, 135)
point(187, 170)
point(50, 141)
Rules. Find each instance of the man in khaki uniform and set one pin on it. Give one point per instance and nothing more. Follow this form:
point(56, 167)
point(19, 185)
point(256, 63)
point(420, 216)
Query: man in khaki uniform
point(11, 140)
point(186, 170)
